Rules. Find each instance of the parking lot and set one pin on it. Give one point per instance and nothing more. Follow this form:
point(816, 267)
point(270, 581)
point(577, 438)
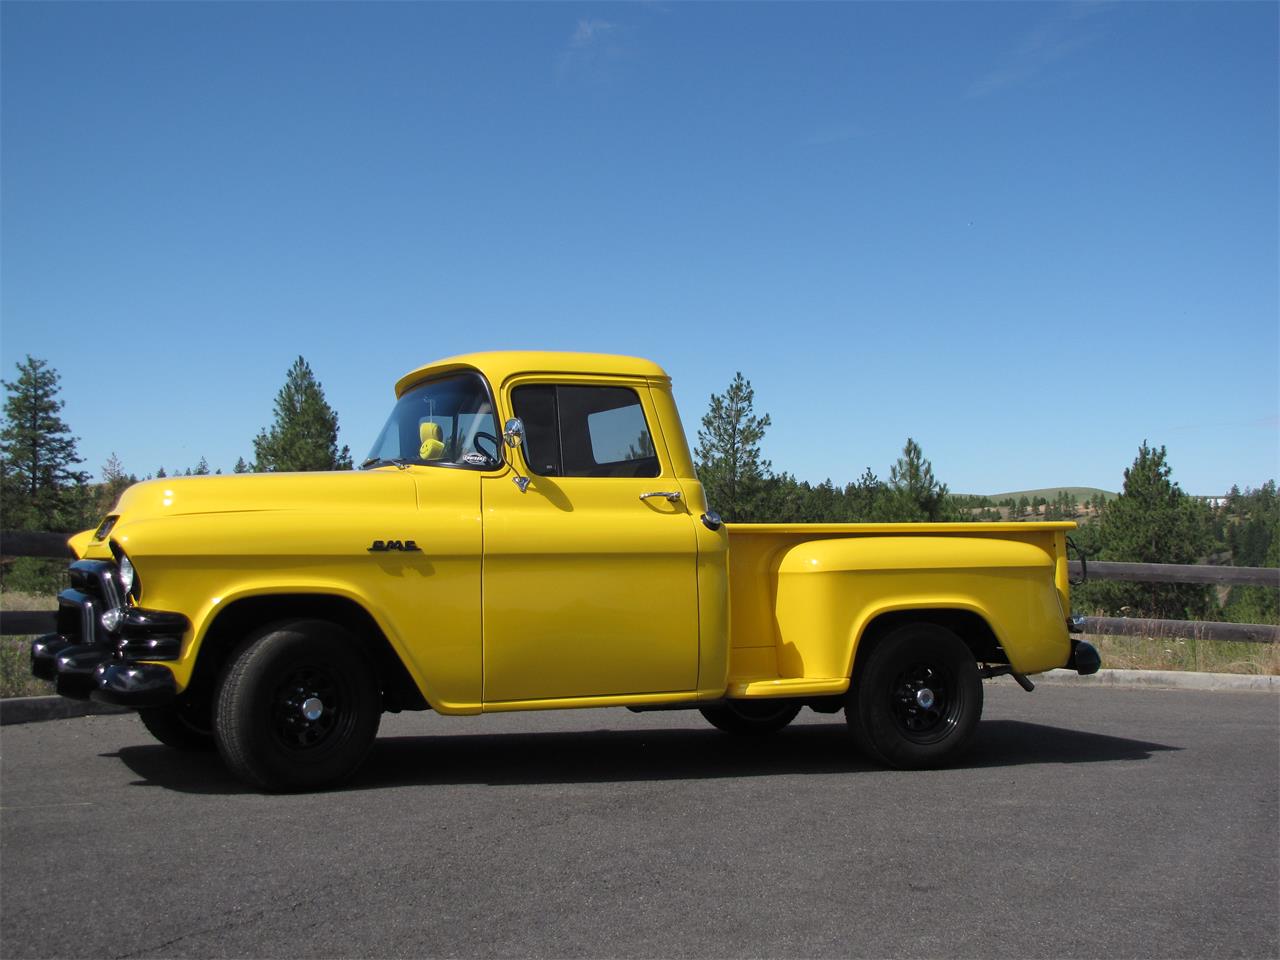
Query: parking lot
point(1084, 822)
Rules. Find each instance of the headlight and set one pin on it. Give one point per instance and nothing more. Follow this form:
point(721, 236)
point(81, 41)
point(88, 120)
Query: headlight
point(126, 574)
point(111, 619)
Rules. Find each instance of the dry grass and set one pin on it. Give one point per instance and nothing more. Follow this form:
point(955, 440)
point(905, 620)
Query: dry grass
point(15, 670)
point(1171, 653)
point(28, 601)
point(15, 657)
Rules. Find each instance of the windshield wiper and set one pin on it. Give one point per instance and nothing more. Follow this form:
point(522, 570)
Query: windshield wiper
point(384, 462)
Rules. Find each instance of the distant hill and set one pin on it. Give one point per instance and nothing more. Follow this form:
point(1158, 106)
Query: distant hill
point(1080, 493)
point(1082, 513)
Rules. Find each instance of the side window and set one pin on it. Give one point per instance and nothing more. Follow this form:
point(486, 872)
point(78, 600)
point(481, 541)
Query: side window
point(585, 432)
point(536, 406)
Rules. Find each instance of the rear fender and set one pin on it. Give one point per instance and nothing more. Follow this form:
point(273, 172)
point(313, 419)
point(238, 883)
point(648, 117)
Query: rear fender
point(831, 592)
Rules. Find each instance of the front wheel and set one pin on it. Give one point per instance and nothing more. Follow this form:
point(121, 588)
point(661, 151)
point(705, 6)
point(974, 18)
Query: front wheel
point(751, 718)
point(298, 708)
point(916, 701)
point(183, 725)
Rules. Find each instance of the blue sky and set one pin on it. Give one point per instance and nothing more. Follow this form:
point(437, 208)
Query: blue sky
point(1028, 235)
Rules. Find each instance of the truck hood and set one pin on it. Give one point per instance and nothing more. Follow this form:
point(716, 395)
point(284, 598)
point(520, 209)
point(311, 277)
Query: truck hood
point(342, 491)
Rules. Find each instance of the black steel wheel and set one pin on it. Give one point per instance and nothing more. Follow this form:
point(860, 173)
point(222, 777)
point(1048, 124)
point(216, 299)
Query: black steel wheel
point(183, 725)
point(916, 700)
point(751, 718)
point(298, 707)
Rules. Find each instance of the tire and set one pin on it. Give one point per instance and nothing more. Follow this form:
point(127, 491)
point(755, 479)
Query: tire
point(916, 702)
point(263, 720)
point(751, 718)
point(183, 725)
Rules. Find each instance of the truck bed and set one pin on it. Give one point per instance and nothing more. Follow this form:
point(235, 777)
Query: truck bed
point(787, 580)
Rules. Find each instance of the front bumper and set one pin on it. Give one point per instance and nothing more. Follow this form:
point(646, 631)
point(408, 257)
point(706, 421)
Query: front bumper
point(85, 659)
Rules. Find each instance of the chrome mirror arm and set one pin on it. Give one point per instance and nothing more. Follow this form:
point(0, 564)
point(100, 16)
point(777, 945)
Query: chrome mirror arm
point(513, 435)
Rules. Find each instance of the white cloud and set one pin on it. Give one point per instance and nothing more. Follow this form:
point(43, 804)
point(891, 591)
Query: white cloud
point(588, 32)
point(1048, 43)
point(594, 50)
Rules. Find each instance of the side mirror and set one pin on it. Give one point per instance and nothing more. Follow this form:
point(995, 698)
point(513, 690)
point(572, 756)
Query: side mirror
point(513, 432)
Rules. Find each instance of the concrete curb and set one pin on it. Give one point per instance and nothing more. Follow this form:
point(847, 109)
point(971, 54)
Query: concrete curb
point(38, 709)
point(1162, 679)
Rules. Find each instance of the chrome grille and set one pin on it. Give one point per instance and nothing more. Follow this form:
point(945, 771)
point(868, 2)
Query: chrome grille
point(94, 588)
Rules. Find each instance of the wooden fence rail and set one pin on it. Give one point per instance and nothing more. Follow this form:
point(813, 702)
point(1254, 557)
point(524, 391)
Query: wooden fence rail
point(36, 544)
point(32, 543)
point(1182, 629)
point(1180, 573)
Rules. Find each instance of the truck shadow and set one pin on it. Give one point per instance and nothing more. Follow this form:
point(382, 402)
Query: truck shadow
point(606, 756)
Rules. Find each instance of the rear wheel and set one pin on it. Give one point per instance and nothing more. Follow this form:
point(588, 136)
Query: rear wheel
point(751, 718)
point(298, 708)
point(916, 701)
point(184, 725)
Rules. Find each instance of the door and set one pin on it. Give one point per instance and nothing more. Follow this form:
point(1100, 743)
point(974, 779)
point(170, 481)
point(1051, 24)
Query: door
point(590, 582)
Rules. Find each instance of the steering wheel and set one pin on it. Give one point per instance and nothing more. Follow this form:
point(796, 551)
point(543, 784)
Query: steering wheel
point(497, 447)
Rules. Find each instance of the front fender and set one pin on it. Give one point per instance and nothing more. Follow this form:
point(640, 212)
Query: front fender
point(205, 616)
point(443, 666)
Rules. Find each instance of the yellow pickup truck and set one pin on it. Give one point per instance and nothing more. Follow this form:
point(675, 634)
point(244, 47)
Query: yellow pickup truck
point(567, 558)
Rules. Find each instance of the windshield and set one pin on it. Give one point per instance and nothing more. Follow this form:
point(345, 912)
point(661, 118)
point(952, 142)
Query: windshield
point(447, 422)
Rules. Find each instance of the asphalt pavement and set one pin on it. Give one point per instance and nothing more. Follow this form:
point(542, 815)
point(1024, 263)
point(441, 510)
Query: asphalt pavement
point(1085, 822)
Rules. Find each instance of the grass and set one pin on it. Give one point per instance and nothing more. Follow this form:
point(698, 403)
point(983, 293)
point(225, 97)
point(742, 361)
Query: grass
point(15, 652)
point(1190, 653)
point(15, 670)
point(28, 601)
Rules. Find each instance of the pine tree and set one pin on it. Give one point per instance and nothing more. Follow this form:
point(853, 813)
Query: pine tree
point(729, 461)
point(305, 433)
point(785, 500)
point(41, 487)
point(826, 503)
point(914, 492)
point(1252, 536)
point(863, 496)
point(1153, 521)
point(241, 466)
point(114, 482)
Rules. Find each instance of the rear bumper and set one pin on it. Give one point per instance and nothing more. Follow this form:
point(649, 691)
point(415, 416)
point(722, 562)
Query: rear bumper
point(1084, 658)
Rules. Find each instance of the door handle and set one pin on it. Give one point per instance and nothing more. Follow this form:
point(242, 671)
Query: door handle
point(671, 495)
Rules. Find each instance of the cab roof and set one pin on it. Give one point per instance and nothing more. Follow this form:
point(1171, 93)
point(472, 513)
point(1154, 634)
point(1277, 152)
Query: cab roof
point(500, 365)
